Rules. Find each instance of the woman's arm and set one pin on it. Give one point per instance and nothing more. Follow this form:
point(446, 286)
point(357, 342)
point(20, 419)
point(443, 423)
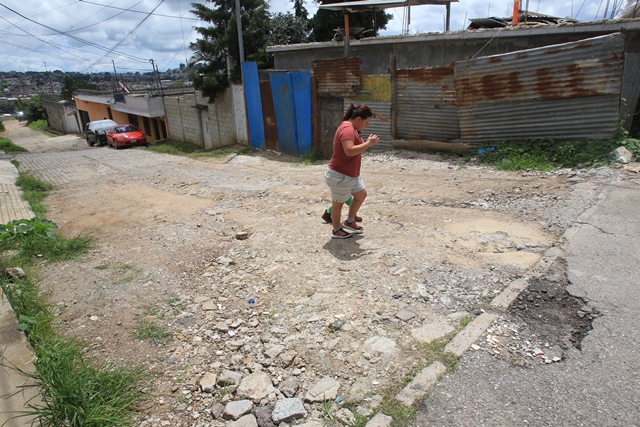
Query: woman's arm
point(350, 149)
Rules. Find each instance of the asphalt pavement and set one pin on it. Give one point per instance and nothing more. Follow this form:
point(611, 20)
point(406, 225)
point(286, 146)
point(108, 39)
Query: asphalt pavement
point(598, 385)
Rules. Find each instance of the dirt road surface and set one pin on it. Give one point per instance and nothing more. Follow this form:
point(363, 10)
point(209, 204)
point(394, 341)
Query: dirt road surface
point(442, 238)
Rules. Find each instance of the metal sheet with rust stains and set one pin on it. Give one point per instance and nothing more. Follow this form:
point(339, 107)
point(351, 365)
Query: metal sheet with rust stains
point(338, 76)
point(426, 104)
point(567, 91)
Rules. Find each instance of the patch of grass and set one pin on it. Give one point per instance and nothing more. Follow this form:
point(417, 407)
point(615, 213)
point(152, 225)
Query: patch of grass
point(464, 321)
point(309, 158)
point(402, 415)
point(327, 418)
point(146, 329)
point(183, 148)
point(9, 147)
point(102, 266)
point(34, 192)
point(125, 267)
point(41, 125)
point(434, 350)
point(547, 154)
point(247, 150)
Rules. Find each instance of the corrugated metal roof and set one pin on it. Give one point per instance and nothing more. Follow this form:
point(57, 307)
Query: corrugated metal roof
point(376, 127)
point(338, 76)
point(543, 92)
point(426, 104)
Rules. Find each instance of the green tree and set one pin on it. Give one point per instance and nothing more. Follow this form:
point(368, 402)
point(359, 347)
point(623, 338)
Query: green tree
point(287, 28)
point(32, 108)
point(325, 21)
point(220, 39)
point(299, 9)
point(70, 86)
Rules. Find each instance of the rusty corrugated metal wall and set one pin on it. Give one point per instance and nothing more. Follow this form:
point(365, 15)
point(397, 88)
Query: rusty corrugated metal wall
point(426, 104)
point(567, 91)
point(338, 76)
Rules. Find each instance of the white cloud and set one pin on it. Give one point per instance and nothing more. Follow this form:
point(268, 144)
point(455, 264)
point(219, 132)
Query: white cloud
point(93, 27)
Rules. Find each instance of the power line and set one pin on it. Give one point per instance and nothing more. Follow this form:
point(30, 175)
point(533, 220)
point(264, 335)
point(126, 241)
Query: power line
point(132, 57)
point(126, 37)
point(140, 11)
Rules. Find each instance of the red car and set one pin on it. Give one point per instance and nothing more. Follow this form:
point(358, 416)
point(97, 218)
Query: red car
point(125, 136)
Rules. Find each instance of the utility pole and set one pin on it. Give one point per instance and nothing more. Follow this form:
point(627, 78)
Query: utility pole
point(154, 65)
point(50, 82)
point(240, 42)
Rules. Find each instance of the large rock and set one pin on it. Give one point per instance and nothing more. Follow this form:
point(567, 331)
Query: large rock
point(622, 155)
point(289, 387)
point(431, 331)
point(274, 351)
point(208, 382)
point(227, 378)
point(246, 421)
point(287, 410)
point(325, 389)
point(256, 386)
point(263, 415)
point(422, 384)
point(236, 409)
point(381, 344)
point(380, 420)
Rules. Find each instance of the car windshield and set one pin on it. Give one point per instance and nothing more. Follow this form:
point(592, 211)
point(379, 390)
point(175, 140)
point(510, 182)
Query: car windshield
point(123, 129)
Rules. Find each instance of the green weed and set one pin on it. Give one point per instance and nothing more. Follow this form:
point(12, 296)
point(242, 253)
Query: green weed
point(309, 158)
point(102, 266)
point(9, 147)
point(547, 154)
point(146, 329)
point(464, 321)
point(34, 192)
point(183, 148)
point(41, 125)
point(434, 350)
point(75, 389)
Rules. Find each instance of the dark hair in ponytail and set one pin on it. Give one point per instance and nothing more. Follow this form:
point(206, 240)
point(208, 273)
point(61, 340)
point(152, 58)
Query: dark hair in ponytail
point(363, 111)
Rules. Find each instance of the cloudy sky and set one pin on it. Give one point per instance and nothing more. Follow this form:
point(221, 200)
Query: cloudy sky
point(91, 35)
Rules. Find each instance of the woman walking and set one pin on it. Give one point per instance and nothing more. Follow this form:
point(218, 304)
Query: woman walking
point(343, 173)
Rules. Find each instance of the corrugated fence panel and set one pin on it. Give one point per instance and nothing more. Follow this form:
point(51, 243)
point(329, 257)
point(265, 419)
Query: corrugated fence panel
point(338, 76)
point(301, 81)
point(254, 104)
point(567, 91)
point(377, 127)
point(284, 104)
point(426, 104)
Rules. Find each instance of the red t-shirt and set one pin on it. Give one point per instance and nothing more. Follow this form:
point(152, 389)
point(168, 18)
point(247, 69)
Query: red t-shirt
point(340, 162)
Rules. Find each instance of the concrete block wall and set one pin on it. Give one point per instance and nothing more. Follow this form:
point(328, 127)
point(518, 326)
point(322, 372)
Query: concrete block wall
point(185, 123)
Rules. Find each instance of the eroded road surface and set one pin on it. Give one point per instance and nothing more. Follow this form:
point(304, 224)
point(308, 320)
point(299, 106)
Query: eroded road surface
point(230, 258)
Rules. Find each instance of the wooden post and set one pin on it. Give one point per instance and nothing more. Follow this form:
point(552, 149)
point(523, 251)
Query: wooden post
point(394, 81)
point(347, 38)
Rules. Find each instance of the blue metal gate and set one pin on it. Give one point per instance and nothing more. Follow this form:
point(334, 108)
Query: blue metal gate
point(292, 103)
point(254, 104)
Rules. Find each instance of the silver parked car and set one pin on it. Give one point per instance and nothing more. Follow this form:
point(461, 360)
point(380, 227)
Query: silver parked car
point(96, 132)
